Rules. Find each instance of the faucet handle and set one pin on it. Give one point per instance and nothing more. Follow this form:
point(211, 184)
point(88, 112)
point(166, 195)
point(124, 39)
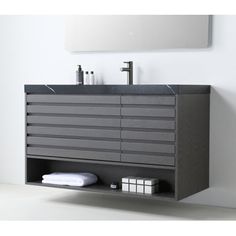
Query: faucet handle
point(129, 63)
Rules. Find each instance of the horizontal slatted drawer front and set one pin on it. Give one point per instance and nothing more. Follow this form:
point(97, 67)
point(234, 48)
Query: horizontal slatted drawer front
point(80, 132)
point(76, 143)
point(76, 110)
point(148, 100)
point(144, 135)
point(148, 159)
point(80, 99)
point(74, 126)
point(70, 153)
point(148, 147)
point(148, 106)
point(148, 129)
point(79, 121)
point(139, 130)
point(149, 112)
point(147, 124)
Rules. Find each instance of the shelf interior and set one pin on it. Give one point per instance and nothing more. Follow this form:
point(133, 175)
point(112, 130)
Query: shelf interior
point(107, 174)
point(98, 188)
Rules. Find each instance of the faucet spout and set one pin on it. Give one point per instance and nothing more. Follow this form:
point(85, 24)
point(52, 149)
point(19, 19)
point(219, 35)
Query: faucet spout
point(129, 70)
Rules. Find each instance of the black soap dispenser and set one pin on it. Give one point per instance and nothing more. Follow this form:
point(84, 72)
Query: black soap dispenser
point(79, 76)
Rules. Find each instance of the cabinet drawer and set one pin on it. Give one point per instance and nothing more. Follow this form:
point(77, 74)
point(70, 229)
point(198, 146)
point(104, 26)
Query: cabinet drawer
point(79, 121)
point(148, 147)
point(80, 132)
point(76, 110)
point(80, 99)
point(148, 100)
point(77, 154)
point(149, 112)
point(148, 159)
point(145, 135)
point(148, 124)
point(74, 143)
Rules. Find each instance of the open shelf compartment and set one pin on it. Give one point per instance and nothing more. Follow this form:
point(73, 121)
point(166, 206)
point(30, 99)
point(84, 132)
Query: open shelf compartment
point(107, 174)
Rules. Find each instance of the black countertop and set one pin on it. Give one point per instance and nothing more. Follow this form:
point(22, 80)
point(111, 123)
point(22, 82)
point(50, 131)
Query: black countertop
point(164, 89)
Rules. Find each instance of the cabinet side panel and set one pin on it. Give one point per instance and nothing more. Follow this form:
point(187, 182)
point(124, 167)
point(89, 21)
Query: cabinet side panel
point(192, 154)
point(25, 114)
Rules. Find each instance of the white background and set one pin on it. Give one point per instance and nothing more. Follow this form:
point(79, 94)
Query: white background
point(32, 51)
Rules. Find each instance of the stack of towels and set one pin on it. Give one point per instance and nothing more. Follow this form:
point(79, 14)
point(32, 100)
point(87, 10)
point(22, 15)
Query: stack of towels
point(71, 179)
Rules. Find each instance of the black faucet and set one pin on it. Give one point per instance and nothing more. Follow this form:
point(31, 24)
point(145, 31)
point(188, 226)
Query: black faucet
point(129, 71)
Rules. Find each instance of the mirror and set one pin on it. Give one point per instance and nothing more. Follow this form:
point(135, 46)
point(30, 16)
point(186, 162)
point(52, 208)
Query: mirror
point(123, 33)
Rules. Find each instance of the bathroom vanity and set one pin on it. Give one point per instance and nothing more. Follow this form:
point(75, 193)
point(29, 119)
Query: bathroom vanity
point(113, 131)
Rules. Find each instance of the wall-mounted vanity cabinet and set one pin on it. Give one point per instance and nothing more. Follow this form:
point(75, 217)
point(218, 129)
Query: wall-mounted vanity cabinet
point(114, 131)
point(136, 32)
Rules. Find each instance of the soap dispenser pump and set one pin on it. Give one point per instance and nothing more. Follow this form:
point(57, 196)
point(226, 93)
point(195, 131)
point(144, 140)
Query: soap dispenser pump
point(79, 76)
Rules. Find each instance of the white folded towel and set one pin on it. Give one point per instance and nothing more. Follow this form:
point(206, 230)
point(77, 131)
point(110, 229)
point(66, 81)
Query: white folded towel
point(71, 179)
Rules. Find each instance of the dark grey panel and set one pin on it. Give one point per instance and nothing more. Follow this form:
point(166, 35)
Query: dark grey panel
point(149, 112)
point(80, 132)
point(99, 99)
point(148, 147)
point(148, 159)
point(58, 152)
point(143, 135)
point(192, 154)
point(148, 124)
point(80, 121)
point(150, 89)
point(88, 110)
point(148, 100)
point(77, 143)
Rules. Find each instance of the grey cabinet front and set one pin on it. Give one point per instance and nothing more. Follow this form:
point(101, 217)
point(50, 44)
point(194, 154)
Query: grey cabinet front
point(135, 129)
point(74, 126)
point(148, 129)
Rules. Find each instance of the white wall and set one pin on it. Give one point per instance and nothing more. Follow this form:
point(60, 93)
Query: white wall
point(32, 51)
